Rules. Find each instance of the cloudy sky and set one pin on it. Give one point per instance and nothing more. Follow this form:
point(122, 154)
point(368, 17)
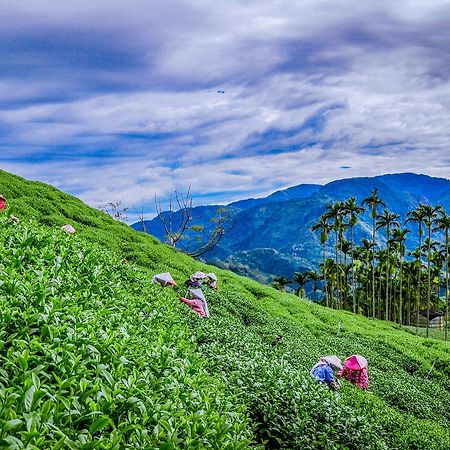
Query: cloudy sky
point(124, 100)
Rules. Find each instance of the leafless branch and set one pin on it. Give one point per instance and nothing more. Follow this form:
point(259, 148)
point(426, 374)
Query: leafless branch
point(141, 217)
point(115, 211)
point(184, 204)
point(223, 224)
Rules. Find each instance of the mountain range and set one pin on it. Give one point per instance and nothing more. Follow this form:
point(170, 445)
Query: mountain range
point(272, 236)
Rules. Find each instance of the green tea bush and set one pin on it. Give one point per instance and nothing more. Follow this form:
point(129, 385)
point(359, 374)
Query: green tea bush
point(94, 356)
point(291, 411)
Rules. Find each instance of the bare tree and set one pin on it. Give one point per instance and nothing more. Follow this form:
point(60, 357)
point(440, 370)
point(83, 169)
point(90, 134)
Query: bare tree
point(115, 210)
point(141, 216)
point(177, 225)
point(184, 203)
point(222, 223)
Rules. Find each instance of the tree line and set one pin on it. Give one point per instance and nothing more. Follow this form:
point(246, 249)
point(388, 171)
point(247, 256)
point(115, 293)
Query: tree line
point(377, 277)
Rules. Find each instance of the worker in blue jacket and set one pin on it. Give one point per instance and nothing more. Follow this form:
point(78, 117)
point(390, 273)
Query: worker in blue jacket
point(324, 371)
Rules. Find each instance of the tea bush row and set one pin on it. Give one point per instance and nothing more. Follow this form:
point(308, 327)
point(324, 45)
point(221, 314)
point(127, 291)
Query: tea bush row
point(93, 356)
point(291, 411)
point(407, 403)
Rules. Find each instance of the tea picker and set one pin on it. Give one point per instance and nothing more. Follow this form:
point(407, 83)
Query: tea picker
point(198, 279)
point(164, 279)
point(197, 302)
point(355, 371)
point(324, 371)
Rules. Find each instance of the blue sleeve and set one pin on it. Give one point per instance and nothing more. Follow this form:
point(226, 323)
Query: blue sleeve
point(329, 375)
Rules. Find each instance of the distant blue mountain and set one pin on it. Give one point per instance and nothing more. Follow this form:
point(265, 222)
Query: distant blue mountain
point(271, 236)
point(292, 193)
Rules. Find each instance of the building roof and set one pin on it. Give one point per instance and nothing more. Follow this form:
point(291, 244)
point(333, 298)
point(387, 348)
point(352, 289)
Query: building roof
point(433, 313)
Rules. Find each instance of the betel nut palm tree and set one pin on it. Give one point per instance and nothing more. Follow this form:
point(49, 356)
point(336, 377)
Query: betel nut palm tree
point(335, 214)
point(387, 220)
point(374, 272)
point(443, 224)
point(301, 278)
point(281, 282)
point(417, 216)
point(430, 215)
point(398, 239)
point(351, 210)
point(373, 202)
point(324, 227)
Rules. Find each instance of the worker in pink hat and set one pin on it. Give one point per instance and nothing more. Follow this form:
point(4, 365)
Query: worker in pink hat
point(2, 202)
point(198, 302)
point(355, 371)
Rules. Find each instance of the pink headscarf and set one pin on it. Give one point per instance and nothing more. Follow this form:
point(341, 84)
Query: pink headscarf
point(196, 305)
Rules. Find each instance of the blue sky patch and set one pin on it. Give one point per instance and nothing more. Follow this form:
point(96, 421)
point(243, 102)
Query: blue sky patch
point(122, 102)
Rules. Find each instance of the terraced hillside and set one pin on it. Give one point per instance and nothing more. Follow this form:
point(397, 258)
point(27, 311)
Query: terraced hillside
point(94, 356)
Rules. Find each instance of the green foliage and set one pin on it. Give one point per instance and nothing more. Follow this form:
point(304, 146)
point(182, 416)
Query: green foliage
point(93, 356)
point(292, 411)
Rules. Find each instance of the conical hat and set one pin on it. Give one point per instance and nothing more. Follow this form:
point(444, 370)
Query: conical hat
point(164, 279)
point(198, 276)
point(356, 362)
point(69, 229)
point(197, 293)
point(333, 361)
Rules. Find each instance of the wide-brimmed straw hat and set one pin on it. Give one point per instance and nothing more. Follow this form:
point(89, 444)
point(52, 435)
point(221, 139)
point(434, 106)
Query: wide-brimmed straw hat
point(333, 361)
point(356, 362)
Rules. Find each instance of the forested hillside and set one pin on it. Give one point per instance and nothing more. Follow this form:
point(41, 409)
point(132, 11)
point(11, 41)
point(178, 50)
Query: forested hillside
point(95, 356)
point(272, 236)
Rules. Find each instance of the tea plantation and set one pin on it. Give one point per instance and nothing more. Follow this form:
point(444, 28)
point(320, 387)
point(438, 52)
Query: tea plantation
point(95, 356)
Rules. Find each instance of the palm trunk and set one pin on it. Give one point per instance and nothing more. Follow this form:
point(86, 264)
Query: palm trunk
point(392, 301)
point(418, 280)
point(336, 262)
point(446, 284)
point(400, 313)
point(387, 278)
point(386, 311)
point(373, 270)
point(353, 274)
point(429, 279)
point(324, 279)
point(408, 311)
point(332, 294)
point(345, 284)
point(380, 307)
point(367, 293)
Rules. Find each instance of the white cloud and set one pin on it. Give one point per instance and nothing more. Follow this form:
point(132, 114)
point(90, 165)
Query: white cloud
point(124, 106)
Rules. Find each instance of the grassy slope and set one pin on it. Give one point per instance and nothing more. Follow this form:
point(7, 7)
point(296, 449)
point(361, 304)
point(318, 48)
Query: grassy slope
point(95, 356)
point(407, 406)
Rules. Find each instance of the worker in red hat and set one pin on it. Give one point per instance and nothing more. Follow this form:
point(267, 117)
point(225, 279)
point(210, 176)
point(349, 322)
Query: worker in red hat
point(355, 371)
point(2, 202)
